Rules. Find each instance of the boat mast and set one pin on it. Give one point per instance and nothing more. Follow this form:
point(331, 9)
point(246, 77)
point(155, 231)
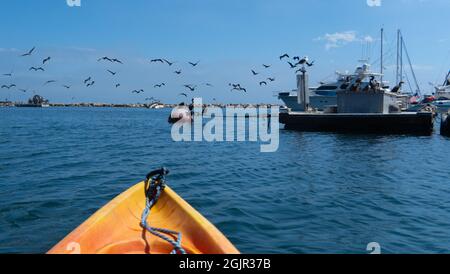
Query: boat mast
point(397, 80)
point(382, 49)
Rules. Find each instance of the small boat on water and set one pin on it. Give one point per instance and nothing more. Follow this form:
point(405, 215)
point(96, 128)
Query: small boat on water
point(148, 218)
point(35, 102)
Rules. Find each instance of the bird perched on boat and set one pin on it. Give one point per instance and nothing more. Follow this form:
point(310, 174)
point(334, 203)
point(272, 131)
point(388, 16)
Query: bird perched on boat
point(177, 72)
point(36, 69)
point(9, 87)
point(88, 79)
point(194, 64)
point(266, 66)
point(159, 85)
point(305, 61)
point(271, 79)
point(263, 83)
point(254, 73)
point(190, 87)
point(112, 72)
point(398, 87)
point(284, 56)
point(373, 84)
point(29, 52)
point(46, 60)
point(49, 82)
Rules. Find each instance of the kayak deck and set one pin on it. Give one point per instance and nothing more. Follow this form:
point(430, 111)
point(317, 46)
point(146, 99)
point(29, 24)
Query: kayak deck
point(116, 229)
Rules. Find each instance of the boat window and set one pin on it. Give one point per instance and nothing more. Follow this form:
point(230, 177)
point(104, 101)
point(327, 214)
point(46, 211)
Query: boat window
point(327, 87)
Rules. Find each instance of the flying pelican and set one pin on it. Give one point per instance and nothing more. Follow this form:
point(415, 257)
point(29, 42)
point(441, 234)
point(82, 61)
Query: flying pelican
point(266, 66)
point(117, 85)
point(255, 73)
point(10, 86)
point(90, 84)
point(271, 79)
point(66, 86)
point(168, 62)
point(292, 65)
point(105, 58)
point(209, 85)
point(177, 72)
point(305, 60)
point(115, 60)
point(159, 85)
point(183, 94)
point(263, 83)
point(29, 52)
point(88, 79)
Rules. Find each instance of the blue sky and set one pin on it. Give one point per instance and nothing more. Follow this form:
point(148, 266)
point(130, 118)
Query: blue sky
point(228, 37)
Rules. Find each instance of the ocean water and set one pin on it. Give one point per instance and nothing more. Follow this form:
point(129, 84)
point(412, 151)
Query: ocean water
point(319, 193)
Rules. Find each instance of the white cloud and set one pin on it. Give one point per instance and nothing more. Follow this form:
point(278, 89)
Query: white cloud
point(374, 3)
point(339, 39)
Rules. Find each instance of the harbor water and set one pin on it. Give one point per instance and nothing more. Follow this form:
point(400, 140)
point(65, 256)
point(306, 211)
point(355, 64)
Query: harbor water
point(319, 193)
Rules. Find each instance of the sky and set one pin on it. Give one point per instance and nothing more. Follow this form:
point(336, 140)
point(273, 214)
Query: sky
point(228, 37)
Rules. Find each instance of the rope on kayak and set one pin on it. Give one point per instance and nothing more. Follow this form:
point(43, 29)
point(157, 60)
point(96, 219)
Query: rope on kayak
point(154, 185)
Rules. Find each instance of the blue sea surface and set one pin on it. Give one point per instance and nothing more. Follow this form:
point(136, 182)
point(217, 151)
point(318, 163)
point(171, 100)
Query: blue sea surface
point(319, 193)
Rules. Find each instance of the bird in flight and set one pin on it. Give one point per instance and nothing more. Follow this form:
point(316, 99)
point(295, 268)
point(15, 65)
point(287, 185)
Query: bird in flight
point(66, 86)
point(177, 72)
point(29, 52)
point(36, 69)
point(266, 66)
point(137, 91)
point(88, 79)
point(255, 73)
point(46, 60)
point(90, 84)
point(183, 94)
point(296, 58)
point(194, 64)
point(112, 72)
point(10, 86)
point(105, 58)
point(284, 56)
point(271, 79)
point(168, 62)
point(159, 85)
point(263, 83)
point(23, 90)
point(117, 85)
point(190, 87)
point(8, 74)
point(157, 60)
point(115, 60)
point(292, 65)
point(49, 82)
point(209, 85)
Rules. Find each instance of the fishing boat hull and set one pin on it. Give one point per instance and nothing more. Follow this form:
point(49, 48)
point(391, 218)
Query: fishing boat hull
point(116, 229)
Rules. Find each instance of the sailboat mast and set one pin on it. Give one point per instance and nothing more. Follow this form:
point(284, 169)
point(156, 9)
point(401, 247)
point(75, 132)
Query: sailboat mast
point(397, 80)
point(382, 49)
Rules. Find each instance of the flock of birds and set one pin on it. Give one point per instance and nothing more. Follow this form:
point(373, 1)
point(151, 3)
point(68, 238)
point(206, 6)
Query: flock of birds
point(296, 63)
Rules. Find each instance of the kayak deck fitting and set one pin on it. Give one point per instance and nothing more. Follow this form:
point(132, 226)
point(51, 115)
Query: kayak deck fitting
point(117, 228)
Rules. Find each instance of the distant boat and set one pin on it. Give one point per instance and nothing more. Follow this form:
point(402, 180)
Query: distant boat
point(35, 102)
